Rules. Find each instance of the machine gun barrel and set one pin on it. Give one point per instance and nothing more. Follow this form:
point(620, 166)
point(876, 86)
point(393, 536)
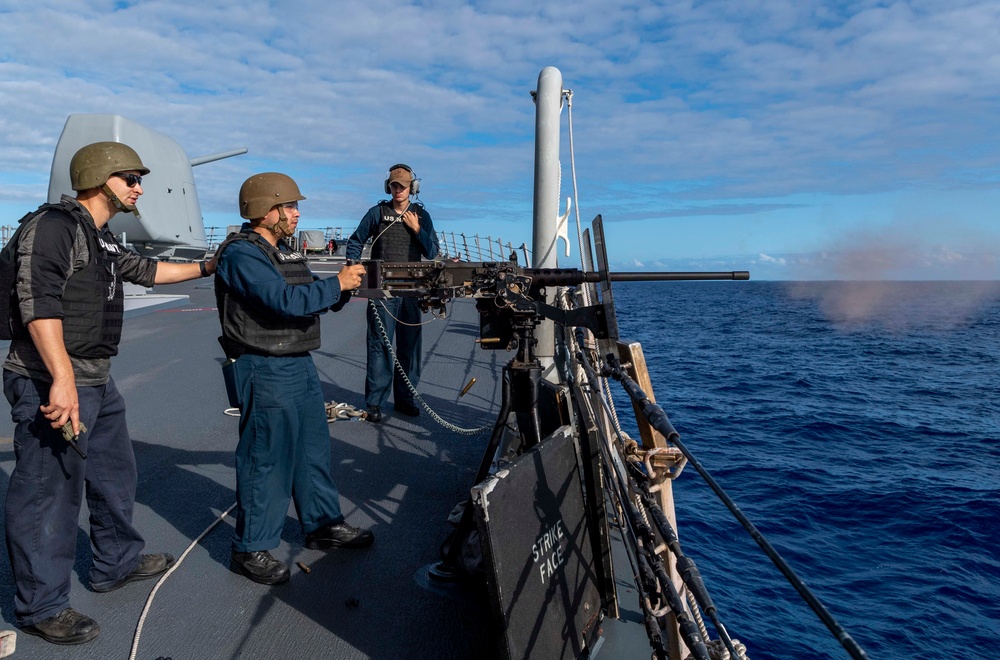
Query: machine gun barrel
point(572, 276)
point(507, 293)
point(677, 276)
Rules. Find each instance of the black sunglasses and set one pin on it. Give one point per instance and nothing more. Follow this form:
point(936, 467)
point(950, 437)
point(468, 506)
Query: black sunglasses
point(131, 180)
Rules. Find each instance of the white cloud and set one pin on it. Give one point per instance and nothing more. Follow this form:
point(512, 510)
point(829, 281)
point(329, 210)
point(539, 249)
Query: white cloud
point(767, 259)
point(674, 106)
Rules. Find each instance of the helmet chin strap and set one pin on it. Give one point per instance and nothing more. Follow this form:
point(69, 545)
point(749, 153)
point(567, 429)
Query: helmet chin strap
point(281, 229)
point(119, 204)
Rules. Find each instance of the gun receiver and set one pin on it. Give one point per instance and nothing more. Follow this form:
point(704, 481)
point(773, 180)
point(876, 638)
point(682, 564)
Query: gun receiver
point(504, 291)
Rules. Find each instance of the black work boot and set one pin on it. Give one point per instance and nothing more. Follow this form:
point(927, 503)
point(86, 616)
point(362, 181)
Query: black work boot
point(374, 414)
point(260, 567)
point(149, 567)
point(407, 408)
point(67, 627)
point(340, 535)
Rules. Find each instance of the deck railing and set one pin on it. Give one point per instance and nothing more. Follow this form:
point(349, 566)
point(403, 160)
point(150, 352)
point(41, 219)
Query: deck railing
point(453, 245)
point(215, 235)
point(480, 248)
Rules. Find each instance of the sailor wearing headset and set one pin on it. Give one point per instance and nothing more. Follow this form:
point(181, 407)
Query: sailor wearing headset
point(401, 230)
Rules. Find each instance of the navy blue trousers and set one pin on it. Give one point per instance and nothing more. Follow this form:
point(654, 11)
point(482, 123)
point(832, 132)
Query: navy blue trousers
point(46, 490)
point(381, 374)
point(284, 450)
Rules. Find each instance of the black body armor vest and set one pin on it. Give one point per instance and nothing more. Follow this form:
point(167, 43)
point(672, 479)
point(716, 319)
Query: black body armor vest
point(246, 328)
point(397, 243)
point(93, 301)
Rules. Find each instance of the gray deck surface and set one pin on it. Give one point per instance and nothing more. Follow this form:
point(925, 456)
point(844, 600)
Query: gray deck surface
point(401, 478)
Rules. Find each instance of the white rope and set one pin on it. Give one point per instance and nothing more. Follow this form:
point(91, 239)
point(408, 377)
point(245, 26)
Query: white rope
point(603, 383)
point(579, 234)
point(152, 594)
point(718, 651)
point(400, 321)
point(696, 612)
point(576, 190)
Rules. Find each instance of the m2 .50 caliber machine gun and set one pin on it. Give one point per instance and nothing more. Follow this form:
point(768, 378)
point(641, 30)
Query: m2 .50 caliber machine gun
point(510, 301)
point(509, 297)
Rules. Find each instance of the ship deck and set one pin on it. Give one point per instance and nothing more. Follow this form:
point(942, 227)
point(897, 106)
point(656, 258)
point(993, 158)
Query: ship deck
point(401, 478)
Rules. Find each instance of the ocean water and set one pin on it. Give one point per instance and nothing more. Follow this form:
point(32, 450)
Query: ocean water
point(858, 426)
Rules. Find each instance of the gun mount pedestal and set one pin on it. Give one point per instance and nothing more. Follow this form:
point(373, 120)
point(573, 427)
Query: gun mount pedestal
point(520, 384)
point(528, 518)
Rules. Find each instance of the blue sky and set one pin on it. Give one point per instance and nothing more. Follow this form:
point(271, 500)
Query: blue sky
point(797, 140)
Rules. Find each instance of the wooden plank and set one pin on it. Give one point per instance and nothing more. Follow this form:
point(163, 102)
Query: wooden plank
point(630, 353)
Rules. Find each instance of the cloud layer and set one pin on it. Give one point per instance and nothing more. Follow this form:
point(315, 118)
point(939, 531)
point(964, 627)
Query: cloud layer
point(684, 110)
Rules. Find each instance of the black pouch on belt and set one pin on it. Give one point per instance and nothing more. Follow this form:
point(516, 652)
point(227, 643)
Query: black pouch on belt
point(229, 375)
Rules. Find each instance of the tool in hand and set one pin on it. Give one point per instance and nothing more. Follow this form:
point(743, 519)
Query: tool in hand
point(71, 438)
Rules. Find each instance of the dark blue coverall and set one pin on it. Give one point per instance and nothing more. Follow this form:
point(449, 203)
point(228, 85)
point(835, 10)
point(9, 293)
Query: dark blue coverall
point(284, 447)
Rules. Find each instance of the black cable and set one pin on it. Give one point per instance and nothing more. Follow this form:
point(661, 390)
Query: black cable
point(661, 583)
point(686, 566)
point(627, 525)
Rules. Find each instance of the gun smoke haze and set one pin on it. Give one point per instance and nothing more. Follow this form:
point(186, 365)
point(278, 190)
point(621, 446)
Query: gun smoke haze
point(868, 267)
point(936, 249)
point(898, 307)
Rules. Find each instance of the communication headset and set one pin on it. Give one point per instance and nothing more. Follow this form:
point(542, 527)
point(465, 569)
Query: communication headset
point(414, 184)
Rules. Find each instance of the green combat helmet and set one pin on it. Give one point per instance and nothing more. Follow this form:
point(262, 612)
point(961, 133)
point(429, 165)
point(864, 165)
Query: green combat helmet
point(93, 164)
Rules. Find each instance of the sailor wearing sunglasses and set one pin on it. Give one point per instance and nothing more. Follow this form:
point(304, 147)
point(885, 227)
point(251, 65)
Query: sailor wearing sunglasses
point(71, 439)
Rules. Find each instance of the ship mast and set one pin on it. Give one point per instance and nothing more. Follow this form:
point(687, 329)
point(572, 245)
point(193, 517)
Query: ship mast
point(548, 104)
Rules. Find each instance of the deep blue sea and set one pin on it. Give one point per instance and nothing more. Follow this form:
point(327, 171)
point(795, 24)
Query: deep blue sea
point(858, 426)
